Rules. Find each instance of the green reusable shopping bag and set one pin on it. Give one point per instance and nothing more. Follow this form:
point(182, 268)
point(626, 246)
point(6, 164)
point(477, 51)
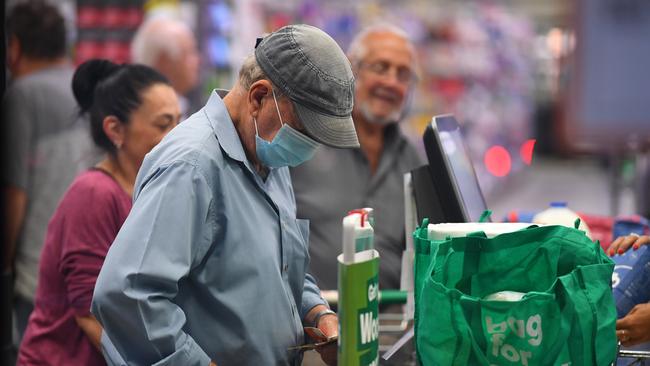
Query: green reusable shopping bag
point(567, 316)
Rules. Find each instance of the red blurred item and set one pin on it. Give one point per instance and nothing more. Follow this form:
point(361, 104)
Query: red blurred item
point(600, 227)
point(497, 161)
point(526, 151)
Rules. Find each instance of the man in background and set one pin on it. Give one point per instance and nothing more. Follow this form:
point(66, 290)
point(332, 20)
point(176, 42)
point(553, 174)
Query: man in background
point(338, 180)
point(168, 45)
point(42, 145)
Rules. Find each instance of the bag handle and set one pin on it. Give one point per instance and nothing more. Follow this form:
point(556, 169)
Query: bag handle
point(421, 238)
point(485, 216)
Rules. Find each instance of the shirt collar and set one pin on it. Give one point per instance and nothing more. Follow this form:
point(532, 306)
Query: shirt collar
point(223, 126)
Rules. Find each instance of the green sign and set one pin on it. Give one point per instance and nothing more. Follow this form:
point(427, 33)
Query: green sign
point(358, 310)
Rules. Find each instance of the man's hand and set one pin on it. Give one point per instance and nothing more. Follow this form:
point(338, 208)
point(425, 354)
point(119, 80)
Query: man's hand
point(328, 324)
point(634, 328)
point(623, 243)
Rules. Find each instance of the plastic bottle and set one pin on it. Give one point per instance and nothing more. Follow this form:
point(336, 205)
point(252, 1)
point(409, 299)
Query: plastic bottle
point(559, 214)
point(358, 233)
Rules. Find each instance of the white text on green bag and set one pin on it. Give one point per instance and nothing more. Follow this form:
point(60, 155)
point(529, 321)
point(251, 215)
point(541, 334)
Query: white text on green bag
point(531, 328)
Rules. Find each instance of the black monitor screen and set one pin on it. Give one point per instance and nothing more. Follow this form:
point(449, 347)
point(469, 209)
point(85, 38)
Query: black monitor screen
point(452, 171)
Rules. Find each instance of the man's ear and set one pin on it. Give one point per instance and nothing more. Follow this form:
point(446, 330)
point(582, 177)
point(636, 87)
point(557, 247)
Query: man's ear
point(256, 93)
point(114, 130)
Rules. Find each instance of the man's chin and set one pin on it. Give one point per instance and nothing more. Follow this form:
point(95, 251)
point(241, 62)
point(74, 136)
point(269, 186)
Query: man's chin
point(380, 119)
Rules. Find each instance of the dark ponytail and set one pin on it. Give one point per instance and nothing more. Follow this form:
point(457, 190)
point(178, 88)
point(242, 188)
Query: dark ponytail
point(103, 88)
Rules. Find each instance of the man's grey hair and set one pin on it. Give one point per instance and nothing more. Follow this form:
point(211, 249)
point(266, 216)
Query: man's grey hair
point(250, 72)
point(157, 36)
point(358, 50)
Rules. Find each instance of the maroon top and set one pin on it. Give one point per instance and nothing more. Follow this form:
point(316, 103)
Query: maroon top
point(79, 234)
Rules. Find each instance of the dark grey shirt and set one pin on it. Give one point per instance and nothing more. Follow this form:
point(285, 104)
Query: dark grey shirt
point(44, 145)
point(338, 180)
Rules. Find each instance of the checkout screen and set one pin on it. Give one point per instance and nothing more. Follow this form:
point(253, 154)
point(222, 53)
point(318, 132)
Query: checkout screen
point(463, 172)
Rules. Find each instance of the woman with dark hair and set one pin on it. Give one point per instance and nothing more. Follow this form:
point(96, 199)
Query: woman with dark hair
point(131, 108)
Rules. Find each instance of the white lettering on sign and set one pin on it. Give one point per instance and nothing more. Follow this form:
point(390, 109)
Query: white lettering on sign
point(369, 327)
point(372, 291)
point(531, 328)
point(374, 362)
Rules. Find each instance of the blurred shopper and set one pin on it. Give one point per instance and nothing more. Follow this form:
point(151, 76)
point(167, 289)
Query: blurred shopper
point(43, 145)
point(634, 328)
point(131, 107)
point(168, 45)
point(336, 181)
point(211, 263)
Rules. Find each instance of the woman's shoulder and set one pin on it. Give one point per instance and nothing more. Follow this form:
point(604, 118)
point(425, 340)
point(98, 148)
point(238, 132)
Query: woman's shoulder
point(95, 184)
point(93, 196)
point(93, 178)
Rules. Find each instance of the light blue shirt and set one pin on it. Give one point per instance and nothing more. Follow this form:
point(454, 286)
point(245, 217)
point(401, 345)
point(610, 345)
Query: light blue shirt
point(211, 262)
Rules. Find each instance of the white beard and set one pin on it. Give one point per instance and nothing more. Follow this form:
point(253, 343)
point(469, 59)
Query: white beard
point(393, 117)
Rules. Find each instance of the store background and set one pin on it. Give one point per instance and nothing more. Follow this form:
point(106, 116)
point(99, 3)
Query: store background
point(502, 67)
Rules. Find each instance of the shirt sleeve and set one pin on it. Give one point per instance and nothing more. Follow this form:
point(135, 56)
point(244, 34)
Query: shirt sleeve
point(17, 132)
point(167, 233)
point(310, 296)
point(112, 357)
point(87, 233)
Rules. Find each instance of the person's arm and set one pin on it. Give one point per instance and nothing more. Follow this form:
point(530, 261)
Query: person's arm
point(634, 328)
point(623, 243)
point(92, 328)
point(312, 301)
point(84, 235)
point(327, 322)
point(15, 145)
point(312, 305)
point(15, 200)
point(169, 230)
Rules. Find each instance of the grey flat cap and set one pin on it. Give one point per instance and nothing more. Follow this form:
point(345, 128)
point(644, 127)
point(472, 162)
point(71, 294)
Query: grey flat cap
point(309, 67)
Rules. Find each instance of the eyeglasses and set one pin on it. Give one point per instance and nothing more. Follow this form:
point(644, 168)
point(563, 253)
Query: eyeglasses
point(403, 74)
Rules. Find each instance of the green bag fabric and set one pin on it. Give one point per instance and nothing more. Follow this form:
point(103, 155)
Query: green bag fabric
point(567, 316)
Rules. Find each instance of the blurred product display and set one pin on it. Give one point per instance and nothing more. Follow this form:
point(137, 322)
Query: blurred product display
point(475, 62)
point(105, 29)
point(558, 213)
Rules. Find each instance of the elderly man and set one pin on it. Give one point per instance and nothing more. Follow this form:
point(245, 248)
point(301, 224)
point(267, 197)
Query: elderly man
point(168, 45)
point(210, 265)
point(336, 181)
